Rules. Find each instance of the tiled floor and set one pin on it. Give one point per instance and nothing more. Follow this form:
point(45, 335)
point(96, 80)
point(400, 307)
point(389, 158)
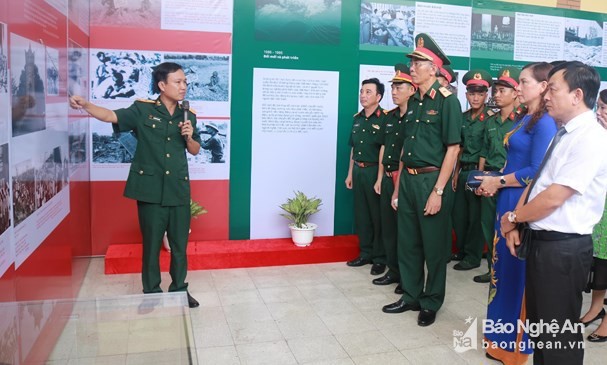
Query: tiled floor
point(310, 314)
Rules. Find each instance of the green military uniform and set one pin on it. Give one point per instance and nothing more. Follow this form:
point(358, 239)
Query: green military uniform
point(159, 181)
point(431, 125)
point(494, 153)
point(365, 154)
point(392, 138)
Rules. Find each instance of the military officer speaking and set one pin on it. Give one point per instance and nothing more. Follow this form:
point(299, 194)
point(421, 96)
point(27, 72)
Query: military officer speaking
point(493, 152)
point(158, 178)
point(466, 208)
point(362, 174)
point(391, 139)
point(424, 197)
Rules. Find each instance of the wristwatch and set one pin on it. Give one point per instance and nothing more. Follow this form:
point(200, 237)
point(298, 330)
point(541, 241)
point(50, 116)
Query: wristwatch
point(438, 191)
point(503, 180)
point(512, 217)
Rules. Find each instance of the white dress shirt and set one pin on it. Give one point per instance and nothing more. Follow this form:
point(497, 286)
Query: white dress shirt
point(578, 161)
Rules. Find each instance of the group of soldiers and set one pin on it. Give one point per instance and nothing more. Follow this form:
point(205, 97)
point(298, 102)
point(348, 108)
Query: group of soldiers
point(408, 170)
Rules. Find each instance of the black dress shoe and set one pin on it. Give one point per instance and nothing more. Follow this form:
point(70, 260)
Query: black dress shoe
point(400, 306)
point(399, 290)
point(378, 269)
point(593, 337)
point(485, 278)
point(385, 280)
point(457, 256)
point(463, 266)
point(598, 316)
point(359, 261)
point(192, 303)
point(426, 317)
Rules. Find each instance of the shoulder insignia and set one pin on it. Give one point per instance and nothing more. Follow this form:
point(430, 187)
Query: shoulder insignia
point(490, 112)
point(358, 113)
point(391, 110)
point(443, 90)
point(386, 111)
point(146, 101)
point(192, 110)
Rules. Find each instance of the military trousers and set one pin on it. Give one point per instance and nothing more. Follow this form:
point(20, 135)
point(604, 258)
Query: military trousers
point(423, 240)
point(488, 218)
point(366, 214)
point(466, 215)
point(154, 221)
point(388, 225)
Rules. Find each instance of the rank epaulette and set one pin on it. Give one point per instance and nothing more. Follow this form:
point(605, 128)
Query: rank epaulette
point(146, 101)
point(192, 110)
point(443, 90)
point(490, 112)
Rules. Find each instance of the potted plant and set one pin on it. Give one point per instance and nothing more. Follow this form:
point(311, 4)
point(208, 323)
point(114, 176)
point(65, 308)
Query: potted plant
point(298, 210)
point(195, 210)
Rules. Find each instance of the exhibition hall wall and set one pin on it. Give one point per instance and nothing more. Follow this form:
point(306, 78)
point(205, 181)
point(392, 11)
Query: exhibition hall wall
point(278, 79)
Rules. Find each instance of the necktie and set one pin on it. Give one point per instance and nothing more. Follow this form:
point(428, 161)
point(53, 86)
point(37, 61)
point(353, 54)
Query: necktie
point(555, 141)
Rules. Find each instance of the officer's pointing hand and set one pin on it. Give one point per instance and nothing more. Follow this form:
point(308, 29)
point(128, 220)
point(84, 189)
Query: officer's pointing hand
point(77, 102)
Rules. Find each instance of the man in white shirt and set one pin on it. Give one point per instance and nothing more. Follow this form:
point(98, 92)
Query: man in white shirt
point(565, 203)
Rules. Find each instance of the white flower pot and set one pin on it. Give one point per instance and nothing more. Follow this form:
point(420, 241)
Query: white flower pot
point(302, 237)
point(165, 241)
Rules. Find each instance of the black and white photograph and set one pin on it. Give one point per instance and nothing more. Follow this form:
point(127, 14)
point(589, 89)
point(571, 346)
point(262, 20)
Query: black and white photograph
point(208, 75)
point(387, 24)
point(492, 36)
point(214, 135)
point(52, 71)
point(28, 74)
point(109, 147)
point(126, 13)
point(122, 74)
point(77, 69)
point(3, 59)
point(583, 41)
point(24, 203)
point(5, 217)
point(50, 175)
point(298, 21)
point(77, 142)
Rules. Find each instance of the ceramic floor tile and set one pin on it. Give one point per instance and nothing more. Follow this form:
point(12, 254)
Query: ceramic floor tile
point(266, 353)
point(348, 323)
point(410, 337)
point(288, 309)
point(255, 332)
point(316, 348)
point(365, 343)
point(250, 296)
point(281, 294)
point(164, 357)
point(100, 360)
point(247, 312)
point(226, 355)
point(300, 326)
point(387, 358)
point(430, 355)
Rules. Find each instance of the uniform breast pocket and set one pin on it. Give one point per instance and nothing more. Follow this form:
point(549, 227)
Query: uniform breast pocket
point(155, 126)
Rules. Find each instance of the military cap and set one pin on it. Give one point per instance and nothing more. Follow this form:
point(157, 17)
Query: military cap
point(508, 76)
point(427, 49)
point(402, 75)
point(213, 126)
point(477, 80)
point(448, 73)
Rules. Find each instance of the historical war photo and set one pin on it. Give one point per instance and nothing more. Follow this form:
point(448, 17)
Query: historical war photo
point(51, 176)
point(109, 147)
point(126, 13)
point(27, 84)
point(52, 71)
point(5, 218)
point(387, 24)
point(214, 144)
point(208, 75)
point(122, 74)
point(583, 41)
point(299, 21)
point(492, 36)
point(77, 141)
point(24, 203)
point(3, 59)
point(77, 69)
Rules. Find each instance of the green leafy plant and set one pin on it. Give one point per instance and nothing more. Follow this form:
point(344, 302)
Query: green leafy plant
point(196, 209)
point(300, 208)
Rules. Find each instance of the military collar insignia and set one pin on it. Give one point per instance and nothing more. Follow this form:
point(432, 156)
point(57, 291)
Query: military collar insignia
point(432, 93)
point(511, 116)
point(482, 117)
point(378, 112)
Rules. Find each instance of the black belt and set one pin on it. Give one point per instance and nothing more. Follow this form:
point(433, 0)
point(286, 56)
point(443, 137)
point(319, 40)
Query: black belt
point(491, 168)
point(554, 235)
point(469, 166)
point(365, 164)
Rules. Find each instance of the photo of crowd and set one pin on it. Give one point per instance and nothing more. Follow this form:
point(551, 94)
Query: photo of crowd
point(493, 34)
point(387, 24)
point(24, 203)
point(5, 219)
point(50, 177)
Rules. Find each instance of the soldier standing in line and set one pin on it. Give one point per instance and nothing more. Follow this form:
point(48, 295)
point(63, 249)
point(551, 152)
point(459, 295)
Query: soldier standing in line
point(391, 138)
point(432, 136)
point(362, 174)
point(493, 153)
point(466, 208)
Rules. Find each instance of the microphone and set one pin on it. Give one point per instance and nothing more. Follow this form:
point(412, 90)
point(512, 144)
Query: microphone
point(186, 107)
